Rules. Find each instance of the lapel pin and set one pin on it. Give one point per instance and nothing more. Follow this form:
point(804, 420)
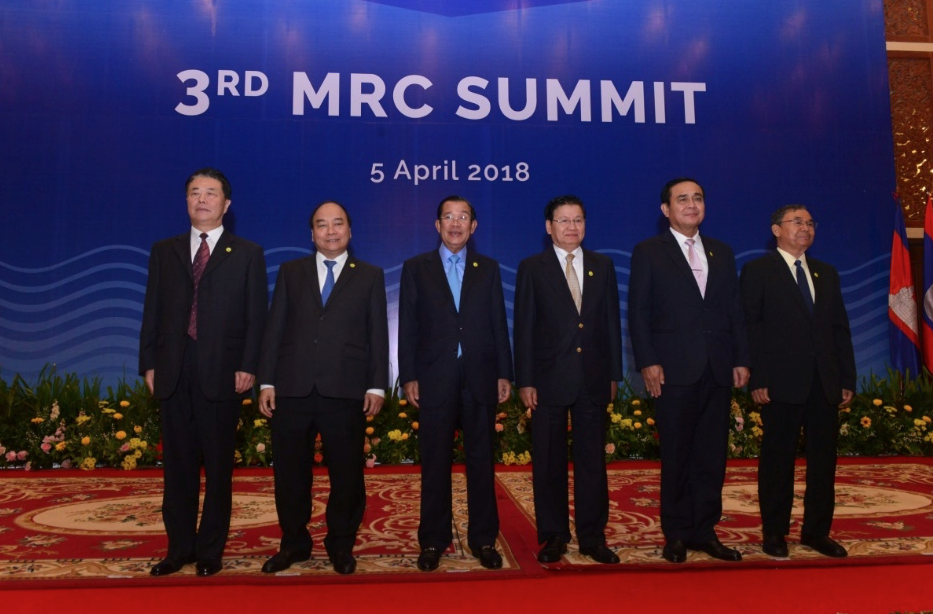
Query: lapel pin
point(815, 274)
point(590, 273)
point(475, 263)
point(711, 253)
point(352, 265)
point(229, 249)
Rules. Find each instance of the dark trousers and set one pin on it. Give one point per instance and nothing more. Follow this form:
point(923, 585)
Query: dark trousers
point(194, 427)
point(439, 419)
point(296, 423)
point(781, 425)
point(550, 474)
point(693, 427)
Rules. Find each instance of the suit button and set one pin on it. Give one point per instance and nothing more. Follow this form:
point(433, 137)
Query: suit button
point(315, 342)
point(580, 324)
point(579, 350)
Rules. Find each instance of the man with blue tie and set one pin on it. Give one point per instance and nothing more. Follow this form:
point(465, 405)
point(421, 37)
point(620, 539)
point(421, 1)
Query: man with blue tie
point(803, 371)
point(455, 363)
point(323, 368)
point(690, 344)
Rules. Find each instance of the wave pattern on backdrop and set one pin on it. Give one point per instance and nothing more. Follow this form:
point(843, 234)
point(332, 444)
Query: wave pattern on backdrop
point(389, 105)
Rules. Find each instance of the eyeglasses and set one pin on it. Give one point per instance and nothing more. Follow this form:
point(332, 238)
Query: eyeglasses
point(799, 222)
point(566, 221)
point(447, 219)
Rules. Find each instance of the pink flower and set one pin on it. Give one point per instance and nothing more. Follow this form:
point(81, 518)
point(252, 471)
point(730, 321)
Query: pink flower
point(46, 447)
point(371, 462)
point(2, 450)
point(260, 447)
point(22, 455)
point(499, 427)
point(610, 448)
point(11, 456)
point(66, 464)
point(125, 447)
point(28, 466)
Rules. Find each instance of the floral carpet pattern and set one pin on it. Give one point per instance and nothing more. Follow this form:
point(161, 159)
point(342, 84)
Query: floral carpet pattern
point(92, 527)
point(883, 509)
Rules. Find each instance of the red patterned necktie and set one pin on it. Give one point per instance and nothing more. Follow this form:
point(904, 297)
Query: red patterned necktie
point(197, 269)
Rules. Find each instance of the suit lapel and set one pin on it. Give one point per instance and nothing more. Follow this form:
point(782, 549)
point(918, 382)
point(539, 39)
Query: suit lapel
point(789, 282)
point(223, 249)
point(182, 248)
point(554, 273)
point(310, 268)
point(438, 278)
point(346, 277)
point(471, 272)
point(676, 254)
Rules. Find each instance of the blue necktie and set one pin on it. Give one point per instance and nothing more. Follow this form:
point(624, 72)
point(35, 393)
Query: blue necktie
point(453, 278)
point(804, 286)
point(328, 281)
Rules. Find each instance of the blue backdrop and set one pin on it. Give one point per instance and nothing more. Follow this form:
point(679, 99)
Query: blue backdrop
point(106, 107)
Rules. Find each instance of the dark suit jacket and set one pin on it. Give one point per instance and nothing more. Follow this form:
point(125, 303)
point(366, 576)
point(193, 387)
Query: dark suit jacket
point(342, 348)
point(785, 339)
point(671, 324)
point(430, 327)
point(232, 300)
point(549, 333)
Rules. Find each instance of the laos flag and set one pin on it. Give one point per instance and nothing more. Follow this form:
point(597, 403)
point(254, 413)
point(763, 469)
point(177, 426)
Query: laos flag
point(928, 286)
point(902, 305)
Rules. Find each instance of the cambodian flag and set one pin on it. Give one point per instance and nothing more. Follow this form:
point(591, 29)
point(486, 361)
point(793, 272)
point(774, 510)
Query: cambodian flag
point(902, 305)
point(928, 285)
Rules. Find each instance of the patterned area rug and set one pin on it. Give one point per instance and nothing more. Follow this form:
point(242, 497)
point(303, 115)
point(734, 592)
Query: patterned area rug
point(69, 528)
point(884, 514)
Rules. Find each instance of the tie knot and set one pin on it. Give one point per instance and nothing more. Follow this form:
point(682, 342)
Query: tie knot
point(330, 263)
point(569, 257)
point(454, 259)
point(203, 236)
point(690, 242)
point(797, 263)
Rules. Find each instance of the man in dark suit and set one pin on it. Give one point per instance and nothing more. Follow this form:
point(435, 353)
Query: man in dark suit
point(568, 348)
point(324, 367)
point(803, 370)
point(455, 363)
point(198, 349)
point(690, 344)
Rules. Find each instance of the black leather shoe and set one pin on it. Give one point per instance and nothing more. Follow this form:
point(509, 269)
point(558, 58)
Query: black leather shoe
point(283, 560)
point(208, 568)
point(600, 554)
point(168, 566)
point(343, 562)
point(715, 549)
point(775, 546)
point(825, 546)
point(429, 559)
point(488, 557)
point(674, 552)
point(552, 550)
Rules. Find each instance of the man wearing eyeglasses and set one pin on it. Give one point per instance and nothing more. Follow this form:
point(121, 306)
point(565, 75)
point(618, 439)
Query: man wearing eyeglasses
point(568, 348)
point(690, 344)
point(803, 370)
point(455, 364)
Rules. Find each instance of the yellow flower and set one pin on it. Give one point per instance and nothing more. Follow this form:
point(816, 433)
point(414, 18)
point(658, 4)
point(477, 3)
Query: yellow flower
point(757, 432)
point(85, 441)
point(637, 412)
point(134, 443)
point(143, 445)
point(847, 409)
point(402, 402)
point(124, 403)
point(129, 463)
point(636, 402)
point(137, 429)
point(370, 418)
point(60, 446)
point(107, 410)
point(637, 425)
point(82, 419)
point(137, 453)
point(247, 401)
point(866, 421)
point(38, 420)
point(414, 426)
point(404, 436)
point(908, 408)
point(650, 421)
point(370, 430)
point(877, 402)
point(121, 435)
point(927, 419)
point(118, 416)
point(89, 463)
point(616, 418)
point(402, 415)
point(890, 409)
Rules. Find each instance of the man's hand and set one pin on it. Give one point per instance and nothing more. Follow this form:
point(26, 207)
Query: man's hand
point(760, 396)
point(150, 380)
point(411, 392)
point(654, 379)
point(372, 404)
point(529, 396)
point(505, 390)
point(267, 401)
point(846, 398)
point(244, 381)
point(739, 376)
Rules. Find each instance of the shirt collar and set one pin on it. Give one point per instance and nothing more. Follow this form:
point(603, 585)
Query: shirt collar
point(446, 253)
point(790, 259)
point(212, 235)
point(341, 259)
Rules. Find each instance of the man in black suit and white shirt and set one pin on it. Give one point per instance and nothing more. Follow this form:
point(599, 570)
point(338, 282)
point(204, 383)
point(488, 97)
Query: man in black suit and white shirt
point(690, 344)
point(455, 363)
point(803, 372)
point(324, 367)
point(202, 325)
point(568, 358)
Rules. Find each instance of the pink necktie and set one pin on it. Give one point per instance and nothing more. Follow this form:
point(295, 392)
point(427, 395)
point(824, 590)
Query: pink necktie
point(696, 267)
point(197, 269)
